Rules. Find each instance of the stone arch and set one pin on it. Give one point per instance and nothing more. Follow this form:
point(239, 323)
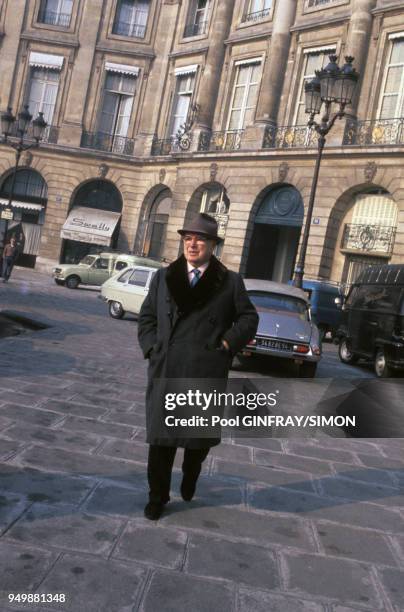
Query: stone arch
point(338, 216)
point(29, 202)
point(153, 220)
point(273, 232)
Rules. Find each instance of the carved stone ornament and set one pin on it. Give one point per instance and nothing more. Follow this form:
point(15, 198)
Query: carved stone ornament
point(103, 170)
point(283, 171)
point(27, 158)
point(370, 171)
point(213, 171)
point(162, 175)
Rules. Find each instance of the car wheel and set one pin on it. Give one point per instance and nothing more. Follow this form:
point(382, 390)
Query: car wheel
point(308, 370)
point(72, 282)
point(345, 353)
point(115, 310)
point(382, 369)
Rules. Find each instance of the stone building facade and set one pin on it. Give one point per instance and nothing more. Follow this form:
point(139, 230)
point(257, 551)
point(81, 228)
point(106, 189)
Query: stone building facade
point(161, 108)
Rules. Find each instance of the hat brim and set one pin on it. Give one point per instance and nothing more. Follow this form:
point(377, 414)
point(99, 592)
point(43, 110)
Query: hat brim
point(217, 239)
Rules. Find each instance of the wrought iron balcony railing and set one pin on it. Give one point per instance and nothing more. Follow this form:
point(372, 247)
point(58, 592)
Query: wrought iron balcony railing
point(50, 134)
point(227, 140)
point(162, 146)
point(363, 237)
point(176, 144)
point(134, 30)
point(378, 132)
point(107, 142)
point(257, 15)
point(312, 3)
point(195, 29)
point(53, 18)
point(289, 136)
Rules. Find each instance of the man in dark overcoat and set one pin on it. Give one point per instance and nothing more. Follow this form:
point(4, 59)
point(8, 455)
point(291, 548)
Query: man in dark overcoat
point(195, 318)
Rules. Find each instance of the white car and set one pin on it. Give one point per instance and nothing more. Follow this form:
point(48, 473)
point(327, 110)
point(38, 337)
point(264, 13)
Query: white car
point(126, 291)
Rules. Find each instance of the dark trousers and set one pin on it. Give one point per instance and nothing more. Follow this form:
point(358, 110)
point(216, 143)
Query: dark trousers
point(8, 263)
point(160, 465)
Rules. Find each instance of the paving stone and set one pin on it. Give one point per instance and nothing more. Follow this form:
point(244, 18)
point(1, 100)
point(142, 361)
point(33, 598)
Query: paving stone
point(22, 567)
point(360, 514)
point(232, 452)
point(346, 581)
point(43, 486)
point(352, 490)
point(11, 507)
point(384, 463)
point(4, 422)
point(384, 477)
point(109, 499)
point(94, 585)
point(54, 391)
point(19, 399)
point(253, 474)
point(261, 601)
point(247, 564)
point(130, 418)
point(82, 464)
point(7, 447)
point(240, 524)
point(65, 527)
point(317, 452)
point(98, 427)
point(39, 417)
point(126, 450)
point(261, 442)
point(100, 400)
point(393, 583)
point(293, 462)
point(54, 437)
point(215, 491)
point(361, 544)
point(183, 592)
point(284, 499)
point(159, 546)
point(83, 410)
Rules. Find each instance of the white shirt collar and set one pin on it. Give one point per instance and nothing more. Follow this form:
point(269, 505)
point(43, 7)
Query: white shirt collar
point(201, 268)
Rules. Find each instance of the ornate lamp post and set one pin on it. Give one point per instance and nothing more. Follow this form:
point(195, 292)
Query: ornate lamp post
point(331, 85)
point(23, 120)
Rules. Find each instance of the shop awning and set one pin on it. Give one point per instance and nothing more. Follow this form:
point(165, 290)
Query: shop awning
point(26, 205)
point(90, 225)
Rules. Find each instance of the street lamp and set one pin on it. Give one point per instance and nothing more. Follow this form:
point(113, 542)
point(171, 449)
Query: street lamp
point(331, 85)
point(22, 124)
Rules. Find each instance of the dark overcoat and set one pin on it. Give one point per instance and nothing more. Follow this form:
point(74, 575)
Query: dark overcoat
point(180, 329)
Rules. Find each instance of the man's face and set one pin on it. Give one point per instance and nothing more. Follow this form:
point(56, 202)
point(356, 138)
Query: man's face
point(197, 249)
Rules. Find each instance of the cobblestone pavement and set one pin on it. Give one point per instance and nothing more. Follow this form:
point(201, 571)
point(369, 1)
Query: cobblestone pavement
point(277, 524)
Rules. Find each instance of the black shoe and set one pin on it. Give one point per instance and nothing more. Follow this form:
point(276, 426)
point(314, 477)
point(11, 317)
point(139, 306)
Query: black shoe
point(153, 510)
point(187, 489)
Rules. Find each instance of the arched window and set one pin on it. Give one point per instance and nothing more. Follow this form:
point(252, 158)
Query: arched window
point(29, 187)
point(99, 194)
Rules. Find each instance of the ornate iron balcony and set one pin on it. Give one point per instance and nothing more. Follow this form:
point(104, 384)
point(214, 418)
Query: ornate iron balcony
point(289, 136)
point(134, 30)
point(195, 29)
point(378, 132)
point(257, 15)
point(162, 146)
point(107, 142)
point(311, 3)
point(227, 140)
point(363, 237)
point(53, 18)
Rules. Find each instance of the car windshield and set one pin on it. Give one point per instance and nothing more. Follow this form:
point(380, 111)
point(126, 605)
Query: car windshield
point(275, 303)
point(88, 260)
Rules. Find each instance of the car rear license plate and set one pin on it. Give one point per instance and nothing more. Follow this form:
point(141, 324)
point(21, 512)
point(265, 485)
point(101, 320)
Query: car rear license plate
point(274, 344)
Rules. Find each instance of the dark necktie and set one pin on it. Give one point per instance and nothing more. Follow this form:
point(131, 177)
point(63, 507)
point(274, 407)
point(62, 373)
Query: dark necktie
point(197, 274)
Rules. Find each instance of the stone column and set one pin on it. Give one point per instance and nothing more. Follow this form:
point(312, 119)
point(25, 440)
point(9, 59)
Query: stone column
point(156, 79)
point(357, 43)
point(71, 128)
point(212, 70)
point(273, 74)
point(13, 25)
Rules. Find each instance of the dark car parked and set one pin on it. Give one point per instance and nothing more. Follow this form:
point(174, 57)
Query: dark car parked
point(372, 325)
point(324, 305)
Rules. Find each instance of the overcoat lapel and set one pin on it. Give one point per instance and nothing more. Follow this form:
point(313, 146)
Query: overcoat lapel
point(189, 298)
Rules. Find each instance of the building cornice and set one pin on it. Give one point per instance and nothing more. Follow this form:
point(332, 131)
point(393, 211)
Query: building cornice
point(243, 36)
point(387, 8)
point(65, 42)
point(315, 24)
point(187, 52)
point(137, 52)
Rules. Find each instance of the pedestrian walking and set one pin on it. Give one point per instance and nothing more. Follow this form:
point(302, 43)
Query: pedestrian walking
point(9, 256)
point(195, 318)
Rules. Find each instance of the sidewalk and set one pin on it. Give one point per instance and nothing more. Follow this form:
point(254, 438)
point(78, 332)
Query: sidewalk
point(277, 525)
